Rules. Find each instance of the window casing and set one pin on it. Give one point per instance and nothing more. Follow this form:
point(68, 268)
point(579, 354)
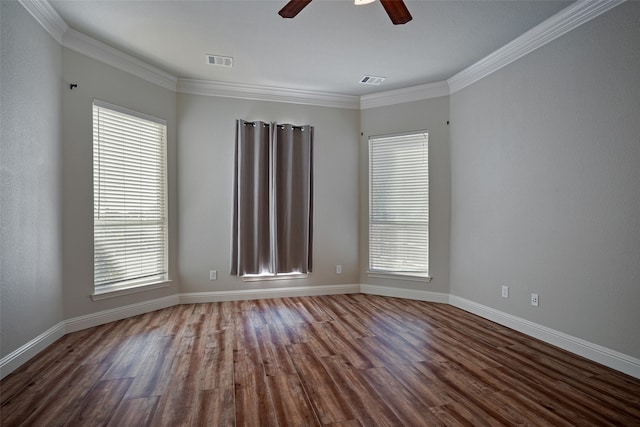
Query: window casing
point(399, 205)
point(130, 202)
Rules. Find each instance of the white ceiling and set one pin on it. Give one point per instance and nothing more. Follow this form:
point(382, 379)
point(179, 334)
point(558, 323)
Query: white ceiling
point(328, 47)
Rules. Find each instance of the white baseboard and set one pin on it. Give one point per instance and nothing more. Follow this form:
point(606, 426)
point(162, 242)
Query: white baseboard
point(106, 316)
point(597, 353)
point(249, 294)
point(405, 293)
point(16, 358)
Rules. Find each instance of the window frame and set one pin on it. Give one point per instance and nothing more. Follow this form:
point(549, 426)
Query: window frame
point(159, 277)
point(374, 270)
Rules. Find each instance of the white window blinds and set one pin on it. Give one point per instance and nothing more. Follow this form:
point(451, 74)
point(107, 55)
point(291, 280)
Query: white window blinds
point(129, 185)
point(399, 205)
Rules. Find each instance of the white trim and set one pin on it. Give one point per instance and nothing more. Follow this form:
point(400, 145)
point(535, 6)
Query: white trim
point(74, 40)
point(401, 96)
point(564, 21)
point(47, 17)
point(107, 294)
point(400, 276)
point(119, 313)
point(127, 111)
point(597, 353)
point(561, 23)
point(21, 355)
point(274, 277)
point(251, 294)
point(419, 295)
point(99, 51)
point(267, 93)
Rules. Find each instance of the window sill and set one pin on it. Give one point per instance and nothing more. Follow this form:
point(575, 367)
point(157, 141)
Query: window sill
point(112, 293)
point(270, 278)
point(399, 277)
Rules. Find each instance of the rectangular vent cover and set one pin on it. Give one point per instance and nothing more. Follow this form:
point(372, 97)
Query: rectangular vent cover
point(372, 80)
point(220, 61)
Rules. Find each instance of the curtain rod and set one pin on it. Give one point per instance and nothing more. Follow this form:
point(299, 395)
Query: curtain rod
point(279, 125)
point(292, 126)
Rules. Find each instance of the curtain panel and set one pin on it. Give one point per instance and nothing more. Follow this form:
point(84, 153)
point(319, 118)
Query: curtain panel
point(273, 199)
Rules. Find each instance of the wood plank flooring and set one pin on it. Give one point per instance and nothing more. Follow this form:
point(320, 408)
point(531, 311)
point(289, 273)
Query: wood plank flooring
point(344, 360)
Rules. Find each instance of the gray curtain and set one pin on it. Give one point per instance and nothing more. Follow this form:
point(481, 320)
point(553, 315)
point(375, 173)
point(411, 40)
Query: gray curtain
point(273, 199)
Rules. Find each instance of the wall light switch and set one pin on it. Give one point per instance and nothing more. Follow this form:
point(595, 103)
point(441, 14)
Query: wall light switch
point(338, 269)
point(213, 275)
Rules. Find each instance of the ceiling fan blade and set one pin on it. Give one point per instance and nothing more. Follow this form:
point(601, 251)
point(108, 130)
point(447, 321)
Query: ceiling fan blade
point(397, 11)
point(292, 8)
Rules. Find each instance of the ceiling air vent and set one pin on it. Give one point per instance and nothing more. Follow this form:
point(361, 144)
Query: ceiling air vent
point(372, 80)
point(220, 61)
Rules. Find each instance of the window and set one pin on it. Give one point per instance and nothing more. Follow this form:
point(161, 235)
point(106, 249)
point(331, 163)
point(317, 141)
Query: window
point(399, 205)
point(129, 198)
point(273, 201)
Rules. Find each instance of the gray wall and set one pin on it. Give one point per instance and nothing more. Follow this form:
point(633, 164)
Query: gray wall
point(536, 187)
point(100, 81)
point(206, 152)
point(30, 192)
point(430, 114)
point(545, 166)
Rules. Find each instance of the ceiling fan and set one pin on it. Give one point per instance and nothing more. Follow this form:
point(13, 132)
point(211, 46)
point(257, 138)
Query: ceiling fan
point(396, 9)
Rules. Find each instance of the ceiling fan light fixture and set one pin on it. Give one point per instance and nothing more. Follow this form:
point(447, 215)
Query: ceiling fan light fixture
point(396, 9)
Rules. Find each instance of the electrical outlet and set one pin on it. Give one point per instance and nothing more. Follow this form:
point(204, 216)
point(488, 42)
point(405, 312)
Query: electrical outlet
point(505, 291)
point(534, 300)
point(338, 269)
point(213, 275)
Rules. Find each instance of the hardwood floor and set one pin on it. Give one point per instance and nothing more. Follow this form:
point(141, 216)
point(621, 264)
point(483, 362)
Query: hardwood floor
point(346, 360)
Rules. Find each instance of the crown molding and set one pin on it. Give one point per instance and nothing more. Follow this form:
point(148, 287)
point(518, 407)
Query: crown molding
point(267, 93)
point(400, 96)
point(561, 23)
point(97, 50)
point(47, 17)
point(564, 21)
